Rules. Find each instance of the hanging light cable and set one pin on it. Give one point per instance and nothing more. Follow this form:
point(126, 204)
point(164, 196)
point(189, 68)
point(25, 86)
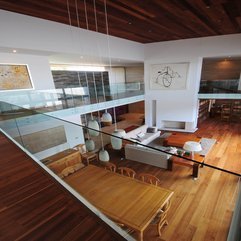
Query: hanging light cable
point(103, 154)
point(89, 143)
point(92, 123)
point(118, 134)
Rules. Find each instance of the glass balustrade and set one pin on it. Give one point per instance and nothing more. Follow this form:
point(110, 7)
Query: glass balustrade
point(65, 149)
point(220, 86)
point(71, 97)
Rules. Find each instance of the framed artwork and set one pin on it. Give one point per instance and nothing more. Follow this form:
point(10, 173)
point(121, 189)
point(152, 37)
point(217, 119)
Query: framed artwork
point(14, 77)
point(169, 76)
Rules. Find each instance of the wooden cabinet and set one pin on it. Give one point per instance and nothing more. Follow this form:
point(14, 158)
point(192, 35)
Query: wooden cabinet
point(203, 112)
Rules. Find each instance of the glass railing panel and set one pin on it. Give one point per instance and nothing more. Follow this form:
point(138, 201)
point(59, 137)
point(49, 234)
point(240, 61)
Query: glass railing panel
point(51, 141)
point(220, 86)
point(8, 123)
point(71, 97)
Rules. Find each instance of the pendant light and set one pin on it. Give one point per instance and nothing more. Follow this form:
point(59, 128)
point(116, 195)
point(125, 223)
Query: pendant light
point(89, 143)
point(93, 125)
point(106, 118)
point(117, 142)
point(118, 134)
point(103, 154)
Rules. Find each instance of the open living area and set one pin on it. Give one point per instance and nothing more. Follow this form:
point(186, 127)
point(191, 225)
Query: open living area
point(120, 120)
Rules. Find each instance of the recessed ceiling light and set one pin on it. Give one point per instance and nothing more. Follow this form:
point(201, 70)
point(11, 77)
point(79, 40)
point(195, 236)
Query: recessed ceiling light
point(129, 23)
point(14, 51)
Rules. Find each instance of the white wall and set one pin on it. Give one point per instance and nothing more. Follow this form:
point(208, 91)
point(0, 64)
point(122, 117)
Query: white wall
point(38, 67)
point(29, 33)
point(182, 105)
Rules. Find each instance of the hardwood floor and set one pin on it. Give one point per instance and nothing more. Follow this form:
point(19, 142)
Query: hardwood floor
point(201, 209)
point(33, 206)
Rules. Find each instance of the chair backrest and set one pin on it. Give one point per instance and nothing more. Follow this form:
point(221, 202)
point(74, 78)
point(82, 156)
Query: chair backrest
point(110, 166)
point(127, 172)
point(146, 177)
point(163, 217)
point(81, 148)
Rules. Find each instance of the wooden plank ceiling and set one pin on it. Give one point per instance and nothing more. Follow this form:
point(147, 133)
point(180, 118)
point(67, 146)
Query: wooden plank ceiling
point(143, 21)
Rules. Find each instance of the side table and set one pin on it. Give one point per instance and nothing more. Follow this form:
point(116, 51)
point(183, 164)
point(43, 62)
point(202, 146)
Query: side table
point(89, 156)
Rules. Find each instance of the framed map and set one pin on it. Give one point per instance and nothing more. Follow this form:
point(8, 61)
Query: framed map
point(14, 77)
point(169, 76)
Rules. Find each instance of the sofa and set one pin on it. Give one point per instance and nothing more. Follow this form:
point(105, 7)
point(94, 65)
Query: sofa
point(143, 134)
point(147, 155)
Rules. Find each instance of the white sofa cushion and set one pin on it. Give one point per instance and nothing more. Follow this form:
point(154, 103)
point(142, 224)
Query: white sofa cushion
point(140, 135)
point(146, 155)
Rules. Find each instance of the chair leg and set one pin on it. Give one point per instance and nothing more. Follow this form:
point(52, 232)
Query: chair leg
point(160, 225)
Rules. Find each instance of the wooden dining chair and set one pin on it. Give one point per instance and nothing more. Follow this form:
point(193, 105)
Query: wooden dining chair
point(86, 155)
point(125, 171)
point(110, 166)
point(162, 217)
point(148, 178)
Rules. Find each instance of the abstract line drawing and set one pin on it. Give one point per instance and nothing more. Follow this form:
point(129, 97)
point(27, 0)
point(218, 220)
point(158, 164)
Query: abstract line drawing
point(166, 76)
point(169, 76)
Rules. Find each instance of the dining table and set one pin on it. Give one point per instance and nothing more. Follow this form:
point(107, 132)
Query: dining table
point(125, 200)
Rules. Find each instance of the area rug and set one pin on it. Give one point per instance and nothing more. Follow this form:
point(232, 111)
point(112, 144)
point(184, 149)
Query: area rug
point(207, 145)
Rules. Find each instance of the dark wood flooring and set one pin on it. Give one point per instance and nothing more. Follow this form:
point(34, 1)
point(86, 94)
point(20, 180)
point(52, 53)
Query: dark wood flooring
point(33, 206)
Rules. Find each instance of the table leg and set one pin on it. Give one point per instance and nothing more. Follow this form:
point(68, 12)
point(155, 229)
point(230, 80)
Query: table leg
point(140, 236)
point(195, 170)
point(169, 164)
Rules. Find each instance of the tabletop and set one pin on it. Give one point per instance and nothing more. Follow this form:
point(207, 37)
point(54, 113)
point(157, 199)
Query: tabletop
point(125, 200)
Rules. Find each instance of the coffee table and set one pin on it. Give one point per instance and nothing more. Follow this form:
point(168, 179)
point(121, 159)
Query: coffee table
point(183, 162)
point(178, 139)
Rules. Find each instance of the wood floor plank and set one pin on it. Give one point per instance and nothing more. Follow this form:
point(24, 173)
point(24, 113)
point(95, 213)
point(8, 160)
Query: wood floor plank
point(201, 209)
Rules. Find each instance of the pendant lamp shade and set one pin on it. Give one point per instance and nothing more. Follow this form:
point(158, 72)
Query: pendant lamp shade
point(104, 156)
point(93, 124)
point(117, 142)
point(106, 118)
point(90, 145)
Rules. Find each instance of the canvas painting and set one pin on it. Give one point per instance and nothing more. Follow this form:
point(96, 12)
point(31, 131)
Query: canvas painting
point(169, 76)
point(14, 77)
